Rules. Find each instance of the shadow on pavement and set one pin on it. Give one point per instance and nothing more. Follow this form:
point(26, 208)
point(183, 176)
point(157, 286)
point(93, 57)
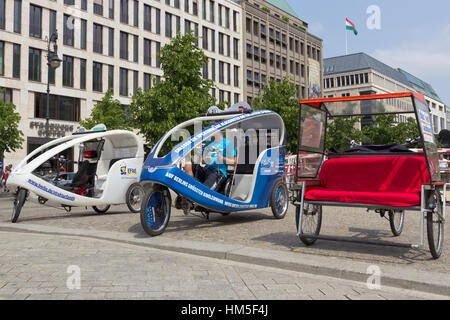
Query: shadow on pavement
point(191, 222)
point(347, 250)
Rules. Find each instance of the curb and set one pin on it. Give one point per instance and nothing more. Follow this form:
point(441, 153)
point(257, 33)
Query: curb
point(405, 278)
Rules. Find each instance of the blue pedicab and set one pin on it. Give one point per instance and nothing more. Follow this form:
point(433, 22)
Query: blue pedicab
point(257, 139)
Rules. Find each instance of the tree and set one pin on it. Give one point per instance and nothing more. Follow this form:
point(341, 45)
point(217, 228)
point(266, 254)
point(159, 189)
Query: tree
point(386, 130)
point(182, 95)
point(341, 128)
point(280, 97)
point(11, 137)
point(109, 112)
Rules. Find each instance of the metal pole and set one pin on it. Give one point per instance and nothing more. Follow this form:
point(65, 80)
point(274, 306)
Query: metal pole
point(47, 115)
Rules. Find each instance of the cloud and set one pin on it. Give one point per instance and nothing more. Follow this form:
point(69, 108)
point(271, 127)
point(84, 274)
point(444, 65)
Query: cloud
point(428, 59)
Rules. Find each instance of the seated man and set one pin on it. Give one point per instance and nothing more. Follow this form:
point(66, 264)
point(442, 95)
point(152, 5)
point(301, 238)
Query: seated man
point(218, 153)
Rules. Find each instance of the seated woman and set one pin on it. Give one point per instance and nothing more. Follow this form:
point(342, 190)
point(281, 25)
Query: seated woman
point(217, 154)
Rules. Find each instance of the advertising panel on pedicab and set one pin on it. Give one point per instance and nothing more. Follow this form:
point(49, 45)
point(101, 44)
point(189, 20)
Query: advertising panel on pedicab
point(429, 142)
point(311, 141)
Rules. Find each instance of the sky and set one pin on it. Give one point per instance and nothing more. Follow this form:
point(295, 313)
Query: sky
point(414, 35)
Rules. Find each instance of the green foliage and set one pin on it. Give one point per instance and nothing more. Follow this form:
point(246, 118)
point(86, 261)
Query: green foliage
point(11, 137)
point(265, 9)
point(280, 97)
point(386, 130)
point(285, 18)
point(182, 95)
point(109, 112)
point(341, 128)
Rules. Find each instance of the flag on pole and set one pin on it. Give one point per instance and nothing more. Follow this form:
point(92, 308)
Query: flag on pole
point(350, 26)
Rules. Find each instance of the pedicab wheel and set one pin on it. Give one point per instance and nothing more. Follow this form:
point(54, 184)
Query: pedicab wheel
point(311, 222)
point(100, 209)
point(19, 201)
point(134, 196)
point(435, 228)
point(396, 221)
point(279, 200)
point(155, 210)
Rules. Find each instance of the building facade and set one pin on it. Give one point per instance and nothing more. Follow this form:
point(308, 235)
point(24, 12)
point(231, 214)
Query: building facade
point(105, 44)
point(277, 45)
point(360, 74)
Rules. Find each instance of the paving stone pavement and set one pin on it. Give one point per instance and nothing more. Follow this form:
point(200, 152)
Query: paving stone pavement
point(35, 266)
point(259, 229)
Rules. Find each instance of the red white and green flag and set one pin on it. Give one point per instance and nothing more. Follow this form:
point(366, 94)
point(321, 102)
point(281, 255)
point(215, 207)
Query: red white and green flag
point(350, 26)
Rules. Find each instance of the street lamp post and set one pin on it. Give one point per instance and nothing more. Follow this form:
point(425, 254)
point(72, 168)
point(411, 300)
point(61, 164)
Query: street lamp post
point(54, 62)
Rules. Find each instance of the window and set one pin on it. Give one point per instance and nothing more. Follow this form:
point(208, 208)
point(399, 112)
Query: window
point(111, 42)
point(111, 77)
point(205, 38)
point(97, 84)
point(2, 14)
point(158, 50)
point(219, 13)
point(186, 6)
point(176, 4)
point(67, 71)
point(256, 53)
point(82, 73)
point(271, 59)
point(69, 2)
point(235, 21)
point(227, 18)
point(17, 15)
point(147, 52)
point(221, 72)
point(213, 69)
point(124, 45)
point(158, 21)
point(98, 7)
point(147, 81)
point(235, 48)
point(52, 22)
point(123, 90)
point(228, 73)
point(263, 56)
point(248, 25)
point(205, 70)
point(263, 31)
point(61, 107)
point(135, 48)
point(2, 58)
point(236, 76)
point(213, 41)
point(16, 61)
point(221, 49)
point(136, 13)
point(177, 24)
point(6, 94)
point(34, 64)
point(35, 21)
point(249, 78)
point(147, 18)
point(211, 10)
point(98, 41)
point(111, 9)
point(195, 8)
point(168, 25)
point(83, 33)
point(124, 11)
point(255, 28)
point(228, 46)
point(68, 30)
point(84, 4)
point(135, 81)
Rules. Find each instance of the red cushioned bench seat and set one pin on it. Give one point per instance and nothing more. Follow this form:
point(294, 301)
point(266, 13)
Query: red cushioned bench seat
point(385, 181)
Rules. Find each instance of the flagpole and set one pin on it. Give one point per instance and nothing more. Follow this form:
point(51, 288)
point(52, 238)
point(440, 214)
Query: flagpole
point(346, 40)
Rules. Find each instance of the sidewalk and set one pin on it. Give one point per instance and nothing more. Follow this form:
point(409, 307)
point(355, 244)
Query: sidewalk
point(405, 278)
